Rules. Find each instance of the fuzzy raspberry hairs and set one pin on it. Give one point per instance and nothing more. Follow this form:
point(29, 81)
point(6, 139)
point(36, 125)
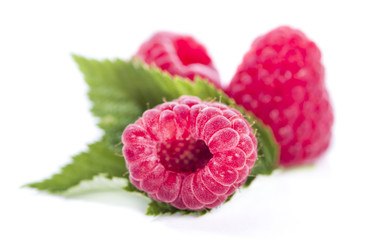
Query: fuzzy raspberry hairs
point(189, 153)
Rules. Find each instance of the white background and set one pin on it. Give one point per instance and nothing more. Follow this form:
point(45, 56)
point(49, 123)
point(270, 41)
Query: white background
point(45, 118)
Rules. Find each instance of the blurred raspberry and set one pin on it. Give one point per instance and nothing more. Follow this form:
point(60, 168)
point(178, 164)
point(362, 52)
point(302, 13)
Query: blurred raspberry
point(179, 55)
point(281, 80)
point(189, 153)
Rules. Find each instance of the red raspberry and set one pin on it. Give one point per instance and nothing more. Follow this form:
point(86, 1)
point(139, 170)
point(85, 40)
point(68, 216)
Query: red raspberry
point(189, 153)
point(179, 55)
point(281, 80)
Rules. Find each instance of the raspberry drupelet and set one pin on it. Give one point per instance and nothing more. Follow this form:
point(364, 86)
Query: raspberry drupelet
point(189, 153)
point(179, 55)
point(281, 80)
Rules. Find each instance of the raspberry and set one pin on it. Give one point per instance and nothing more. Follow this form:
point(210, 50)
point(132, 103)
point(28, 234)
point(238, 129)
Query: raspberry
point(281, 80)
point(189, 153)
point(179, 55)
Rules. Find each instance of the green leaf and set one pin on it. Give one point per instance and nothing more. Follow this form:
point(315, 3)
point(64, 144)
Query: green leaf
point(99, 182)
point(157, 208)
point(120, 92)
point(99, 159)
point(143, 87)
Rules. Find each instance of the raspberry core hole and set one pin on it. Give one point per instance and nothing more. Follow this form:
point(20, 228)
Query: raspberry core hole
point(189, 52)
point(187, 155)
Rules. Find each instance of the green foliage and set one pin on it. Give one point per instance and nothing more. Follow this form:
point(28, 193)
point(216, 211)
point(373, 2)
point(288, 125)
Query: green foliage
point(158, 208)
point(120, 92)
point(98, 159)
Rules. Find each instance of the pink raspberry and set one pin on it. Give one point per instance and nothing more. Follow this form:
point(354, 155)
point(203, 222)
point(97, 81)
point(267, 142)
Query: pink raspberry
point(189, 153)
point(281, 80)
point(179, 55)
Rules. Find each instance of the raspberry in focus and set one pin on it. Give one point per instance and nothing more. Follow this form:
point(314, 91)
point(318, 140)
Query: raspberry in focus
point(179, 55)
point(281, 80)
point(189, 153)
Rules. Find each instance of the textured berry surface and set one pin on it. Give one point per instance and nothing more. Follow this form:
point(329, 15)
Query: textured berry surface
point(281, 80)
point(179, 55)
point(189, 153)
